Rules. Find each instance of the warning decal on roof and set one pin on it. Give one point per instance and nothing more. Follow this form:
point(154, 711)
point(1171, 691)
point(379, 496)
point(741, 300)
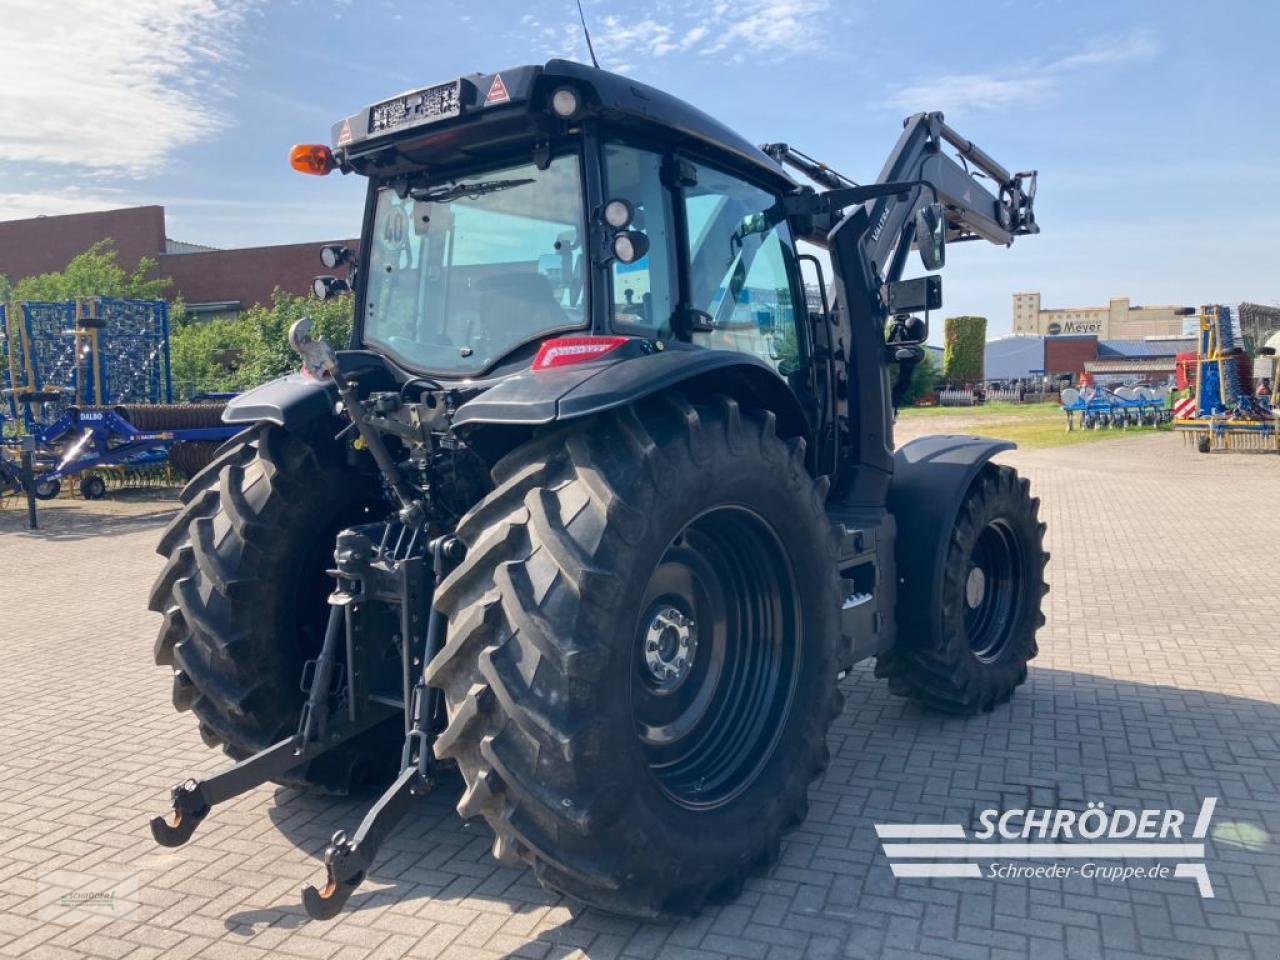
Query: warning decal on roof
point(497, 92)
point(344, 136)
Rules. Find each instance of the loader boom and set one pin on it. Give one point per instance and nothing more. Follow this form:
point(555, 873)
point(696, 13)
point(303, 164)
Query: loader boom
point(869, 231)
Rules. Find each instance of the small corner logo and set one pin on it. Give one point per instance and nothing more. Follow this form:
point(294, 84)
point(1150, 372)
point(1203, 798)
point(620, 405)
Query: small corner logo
point(1092, 834)
point(497, 92)
point(344, 135)
point(67, 897)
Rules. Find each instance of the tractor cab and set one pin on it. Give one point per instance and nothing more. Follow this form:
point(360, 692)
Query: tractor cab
point(548, 203)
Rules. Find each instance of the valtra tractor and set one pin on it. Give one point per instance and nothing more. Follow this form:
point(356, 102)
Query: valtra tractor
point(602, 500)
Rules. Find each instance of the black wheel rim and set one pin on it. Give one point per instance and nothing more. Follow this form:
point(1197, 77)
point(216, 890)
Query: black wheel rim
point(993, 589)
point(715, 656)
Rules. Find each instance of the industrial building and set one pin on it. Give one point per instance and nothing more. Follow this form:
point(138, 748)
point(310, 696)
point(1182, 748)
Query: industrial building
point(1016, 357)
point(212, 282)
point(1114, 362)
point(1119, 320)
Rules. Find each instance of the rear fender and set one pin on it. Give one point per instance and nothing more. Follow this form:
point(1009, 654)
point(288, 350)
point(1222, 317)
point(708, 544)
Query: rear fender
point(291, 402)
point(296, 401)
point(931, 477)
point(529, 399)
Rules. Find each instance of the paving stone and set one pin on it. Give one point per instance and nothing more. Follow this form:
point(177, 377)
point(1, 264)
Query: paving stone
point(1156, 685)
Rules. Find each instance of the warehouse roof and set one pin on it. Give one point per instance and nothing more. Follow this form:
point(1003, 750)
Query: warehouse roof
point(1013, 357)
point(1163, 347)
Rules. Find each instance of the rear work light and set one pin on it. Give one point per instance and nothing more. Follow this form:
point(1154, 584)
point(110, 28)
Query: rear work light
point(313, 158)
point(565, 351)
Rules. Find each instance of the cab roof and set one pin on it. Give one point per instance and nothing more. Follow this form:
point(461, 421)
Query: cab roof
point(460, 120)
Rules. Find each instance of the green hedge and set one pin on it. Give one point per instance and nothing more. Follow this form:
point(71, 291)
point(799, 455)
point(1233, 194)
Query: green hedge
point(962, 357)
point(232, 355)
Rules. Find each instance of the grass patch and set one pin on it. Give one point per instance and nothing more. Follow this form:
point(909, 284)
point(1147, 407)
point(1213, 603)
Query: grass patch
point(1023, 411)
point(1028, 425)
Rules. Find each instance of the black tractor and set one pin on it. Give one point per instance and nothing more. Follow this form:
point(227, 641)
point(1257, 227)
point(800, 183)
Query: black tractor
point(610, 471)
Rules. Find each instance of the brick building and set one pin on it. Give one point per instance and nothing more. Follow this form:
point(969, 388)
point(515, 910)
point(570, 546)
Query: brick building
point(211, 281)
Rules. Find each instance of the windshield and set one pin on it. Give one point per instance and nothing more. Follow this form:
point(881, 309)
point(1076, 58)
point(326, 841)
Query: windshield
point(463, 271)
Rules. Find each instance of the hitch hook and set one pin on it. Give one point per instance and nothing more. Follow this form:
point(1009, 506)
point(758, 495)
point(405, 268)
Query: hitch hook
point(345, 870)
point(189, 808)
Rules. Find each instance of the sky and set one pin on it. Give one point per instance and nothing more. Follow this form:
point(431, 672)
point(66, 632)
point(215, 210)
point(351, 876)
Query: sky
point(1153, 125)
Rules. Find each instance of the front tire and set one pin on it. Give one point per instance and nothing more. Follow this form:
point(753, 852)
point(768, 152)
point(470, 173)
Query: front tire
point(972, 653)
point(642, 651)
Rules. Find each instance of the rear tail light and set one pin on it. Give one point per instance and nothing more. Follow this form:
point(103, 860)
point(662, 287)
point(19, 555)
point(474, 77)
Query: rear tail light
point(565, 351)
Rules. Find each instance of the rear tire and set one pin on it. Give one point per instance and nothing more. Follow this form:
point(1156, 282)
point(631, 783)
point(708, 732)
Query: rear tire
point(243, 598)
point(591, 549)
point(972, 653)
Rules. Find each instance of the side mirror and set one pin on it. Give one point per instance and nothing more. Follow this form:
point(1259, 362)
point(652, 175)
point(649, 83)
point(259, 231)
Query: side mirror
point(931, 236)
point(326, 287)
point(917, 295)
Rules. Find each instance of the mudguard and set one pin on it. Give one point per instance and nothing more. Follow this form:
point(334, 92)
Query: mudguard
point(931, 476)
point(295, 400)
point(582, 390)
point(288, 402)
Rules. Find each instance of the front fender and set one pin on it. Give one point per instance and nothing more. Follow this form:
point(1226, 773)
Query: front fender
point(931, 477)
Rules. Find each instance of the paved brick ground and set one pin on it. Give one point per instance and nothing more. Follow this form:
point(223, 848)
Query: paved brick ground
point(1155, 686)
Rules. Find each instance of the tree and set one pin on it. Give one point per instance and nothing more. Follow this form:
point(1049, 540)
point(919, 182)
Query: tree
point(962, 357)
point(95, 273)
point(924, 380)
point(230, 355)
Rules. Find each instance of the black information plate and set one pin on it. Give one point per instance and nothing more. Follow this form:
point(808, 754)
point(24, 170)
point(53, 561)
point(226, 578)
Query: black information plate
point(423, 106)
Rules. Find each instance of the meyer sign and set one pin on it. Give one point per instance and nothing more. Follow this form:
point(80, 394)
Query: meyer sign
point(1074, 326)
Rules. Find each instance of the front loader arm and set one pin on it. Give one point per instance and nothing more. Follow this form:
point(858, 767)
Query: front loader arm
point(869, 231)
point(982, 200)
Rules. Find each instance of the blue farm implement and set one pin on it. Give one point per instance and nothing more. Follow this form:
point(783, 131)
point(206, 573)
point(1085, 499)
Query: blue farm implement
point(93, 351)
point(1223, 413)
point(1099, 407)
point(89, 390)
point(127, 444)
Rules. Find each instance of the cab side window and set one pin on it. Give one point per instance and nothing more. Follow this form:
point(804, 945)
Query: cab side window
point(645, 293)
point(742, 260)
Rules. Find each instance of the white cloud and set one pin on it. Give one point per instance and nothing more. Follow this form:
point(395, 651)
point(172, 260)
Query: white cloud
point(1032, 82)
point(21, 206)
point(114, 87)
point(758, 28)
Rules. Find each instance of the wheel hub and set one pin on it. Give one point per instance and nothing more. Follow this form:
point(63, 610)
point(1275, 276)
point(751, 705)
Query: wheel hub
point(670, 643)
point(975, 587)
point(710, 699)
